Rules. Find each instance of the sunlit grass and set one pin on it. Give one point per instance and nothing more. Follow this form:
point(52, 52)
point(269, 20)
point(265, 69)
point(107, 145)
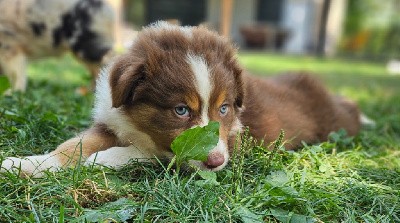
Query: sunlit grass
point(272, 63)
point(60, 71)
point(343, 180)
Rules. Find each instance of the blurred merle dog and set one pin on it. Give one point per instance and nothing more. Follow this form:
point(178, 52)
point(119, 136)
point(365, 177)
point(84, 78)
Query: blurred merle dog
point(40, 28)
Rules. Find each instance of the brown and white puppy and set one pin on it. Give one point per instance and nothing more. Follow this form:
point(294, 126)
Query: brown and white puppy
point(174, 78)
point(32, 29)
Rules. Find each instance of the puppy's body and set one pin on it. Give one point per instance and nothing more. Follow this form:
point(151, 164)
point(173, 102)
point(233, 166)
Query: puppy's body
point(175, 78)
point(298, 104)
point(32, 29)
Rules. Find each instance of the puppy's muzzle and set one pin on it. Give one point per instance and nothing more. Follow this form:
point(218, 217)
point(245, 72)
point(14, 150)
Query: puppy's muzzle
point(214, 160)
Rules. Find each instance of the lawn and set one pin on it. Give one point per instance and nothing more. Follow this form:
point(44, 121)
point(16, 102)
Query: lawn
point(343, 180)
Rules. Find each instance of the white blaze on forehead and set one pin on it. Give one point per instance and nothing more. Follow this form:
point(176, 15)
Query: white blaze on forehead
point(203, 83)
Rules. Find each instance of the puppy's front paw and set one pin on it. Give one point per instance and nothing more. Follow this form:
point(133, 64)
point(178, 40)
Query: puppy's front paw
point(103, 158)
point(95, 159)
point(17, 166)
point(114, 157)
point(9, 164)
point(30, 166)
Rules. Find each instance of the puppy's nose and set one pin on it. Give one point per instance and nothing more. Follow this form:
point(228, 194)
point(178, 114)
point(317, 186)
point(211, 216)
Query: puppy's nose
point(214, 159)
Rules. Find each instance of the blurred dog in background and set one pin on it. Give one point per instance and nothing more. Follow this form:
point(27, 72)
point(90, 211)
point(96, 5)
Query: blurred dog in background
point(40, 28)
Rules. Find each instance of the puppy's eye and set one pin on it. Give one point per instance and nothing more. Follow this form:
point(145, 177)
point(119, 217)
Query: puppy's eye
point(223, 109)
point(182, 111)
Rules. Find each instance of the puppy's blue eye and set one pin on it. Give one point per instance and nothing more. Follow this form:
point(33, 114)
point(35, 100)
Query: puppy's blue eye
point(182, 110)
point(223, 110)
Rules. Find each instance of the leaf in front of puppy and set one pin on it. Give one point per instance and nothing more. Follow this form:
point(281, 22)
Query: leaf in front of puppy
point(4, 84)
point(196, 143)
point(208, 178)
point(248, 216)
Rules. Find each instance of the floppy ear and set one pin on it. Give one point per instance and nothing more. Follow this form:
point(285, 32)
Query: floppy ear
point(237, 71)
point(125, 77)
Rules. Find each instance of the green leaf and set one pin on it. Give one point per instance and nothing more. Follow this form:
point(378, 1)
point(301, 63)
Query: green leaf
point(277, 178)
point(282, 215)
point(207, 175)
point(196, 143)
point(248, 216)
point(209, 178)
point(299, 218)
point(337, 136)
point(277, 182)
point(49, 116)
point(61, 218)
point(4, 84)
point(117, 211)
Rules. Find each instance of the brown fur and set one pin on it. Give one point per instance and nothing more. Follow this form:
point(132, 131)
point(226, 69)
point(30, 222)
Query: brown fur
point(148, 82)
point(152, 76)
point(95, 139)
point(298, 104)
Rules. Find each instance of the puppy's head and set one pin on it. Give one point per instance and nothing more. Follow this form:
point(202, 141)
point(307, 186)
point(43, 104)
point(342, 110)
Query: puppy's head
point(174, 78)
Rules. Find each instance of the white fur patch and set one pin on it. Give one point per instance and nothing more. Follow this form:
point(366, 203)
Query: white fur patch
point(34, 165)
point(103, 102)
point(204, 87)
point(117, 157)
point(103, 112)
point(203, 82)
point(366, 121)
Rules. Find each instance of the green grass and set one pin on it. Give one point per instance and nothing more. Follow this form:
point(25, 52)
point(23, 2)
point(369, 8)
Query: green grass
point(343, 180)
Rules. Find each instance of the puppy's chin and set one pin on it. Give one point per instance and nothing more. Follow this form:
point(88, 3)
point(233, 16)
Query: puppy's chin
point(203, 166)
